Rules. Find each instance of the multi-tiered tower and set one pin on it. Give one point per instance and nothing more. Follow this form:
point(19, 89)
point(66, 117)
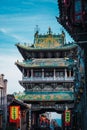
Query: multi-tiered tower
point(47, 73)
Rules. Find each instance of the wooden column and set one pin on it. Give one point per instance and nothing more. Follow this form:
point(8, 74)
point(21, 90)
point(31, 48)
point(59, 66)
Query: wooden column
point(29, 121)
point(42, 73)
point(69, 73)
point(54, 74)
point(65, 74)
point(27, 73)
point(22, 73)
point(31, 73)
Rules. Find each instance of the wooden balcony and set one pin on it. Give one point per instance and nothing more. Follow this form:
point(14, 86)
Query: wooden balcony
point(48, 79)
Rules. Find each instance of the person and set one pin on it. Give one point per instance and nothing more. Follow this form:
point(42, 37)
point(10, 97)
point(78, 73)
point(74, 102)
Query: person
point(18, 128)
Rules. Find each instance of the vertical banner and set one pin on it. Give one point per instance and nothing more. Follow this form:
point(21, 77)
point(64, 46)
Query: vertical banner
point(67, 117)
point(14, 114)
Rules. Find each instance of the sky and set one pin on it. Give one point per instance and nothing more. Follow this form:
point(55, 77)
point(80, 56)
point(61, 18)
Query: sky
point(18, 19)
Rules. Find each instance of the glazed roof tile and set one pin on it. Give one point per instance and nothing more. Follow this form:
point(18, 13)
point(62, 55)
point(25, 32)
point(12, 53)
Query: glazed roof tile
point(51, 47)
point(59, 62)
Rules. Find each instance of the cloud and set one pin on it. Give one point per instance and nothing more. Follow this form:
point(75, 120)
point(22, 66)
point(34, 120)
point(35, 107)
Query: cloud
point(6, 38)
point(3, 30)
point(27, 7)
point(31, 2)
point(43, 1)
point(22, 27)
point(11, 72)
point(22, 24)
point(55, 115)
point(18, 19)
point(28, 3)
point(9, 35)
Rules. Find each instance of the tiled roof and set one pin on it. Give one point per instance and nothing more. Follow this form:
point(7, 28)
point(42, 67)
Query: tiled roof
point(48, 46)
point(57, 62)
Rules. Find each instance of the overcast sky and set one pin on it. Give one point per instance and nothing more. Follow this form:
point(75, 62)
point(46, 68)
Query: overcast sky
point(18, 19)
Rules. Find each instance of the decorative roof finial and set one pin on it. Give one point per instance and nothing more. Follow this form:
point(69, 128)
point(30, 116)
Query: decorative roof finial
point(49, 31)
point(36, 30)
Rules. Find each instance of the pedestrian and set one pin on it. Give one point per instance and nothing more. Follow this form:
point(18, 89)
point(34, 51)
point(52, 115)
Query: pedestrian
point(18, 128)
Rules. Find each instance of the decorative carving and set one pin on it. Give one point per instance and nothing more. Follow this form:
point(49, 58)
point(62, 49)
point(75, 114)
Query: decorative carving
point(49, 40)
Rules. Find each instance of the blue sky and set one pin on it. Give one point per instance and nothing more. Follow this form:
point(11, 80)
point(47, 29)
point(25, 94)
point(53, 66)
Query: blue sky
point(18, 19)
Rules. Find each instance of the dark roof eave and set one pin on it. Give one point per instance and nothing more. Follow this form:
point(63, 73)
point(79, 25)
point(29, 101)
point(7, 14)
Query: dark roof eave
point(21, 66)
point(73, 35)
point(15, 101)
point(72, 100)
point(21, 47)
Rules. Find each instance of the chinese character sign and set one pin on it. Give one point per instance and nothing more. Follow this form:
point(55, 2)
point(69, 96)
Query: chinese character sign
point(67, 117)
point(14, 113)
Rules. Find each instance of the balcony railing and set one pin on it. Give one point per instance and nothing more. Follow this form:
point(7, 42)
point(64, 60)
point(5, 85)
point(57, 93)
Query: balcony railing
point(48, 79)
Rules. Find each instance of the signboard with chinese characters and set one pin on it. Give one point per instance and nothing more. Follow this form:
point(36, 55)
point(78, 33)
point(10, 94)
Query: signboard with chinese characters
point(14, 113)
point(67, 117)
point(58, 96)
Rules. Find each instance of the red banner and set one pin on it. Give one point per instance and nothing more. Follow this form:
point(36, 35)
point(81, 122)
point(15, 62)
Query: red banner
point(14, 113)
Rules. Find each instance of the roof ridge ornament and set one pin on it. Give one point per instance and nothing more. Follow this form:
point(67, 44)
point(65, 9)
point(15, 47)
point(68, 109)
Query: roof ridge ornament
point(36, 29)
point(49, 31)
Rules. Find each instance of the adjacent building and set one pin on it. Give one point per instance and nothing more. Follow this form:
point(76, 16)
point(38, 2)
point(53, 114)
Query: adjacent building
point(17, 114)
point(73, 17)
point(3, 102)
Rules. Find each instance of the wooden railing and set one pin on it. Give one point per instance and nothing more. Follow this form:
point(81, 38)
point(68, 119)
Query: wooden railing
point(48, 78)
